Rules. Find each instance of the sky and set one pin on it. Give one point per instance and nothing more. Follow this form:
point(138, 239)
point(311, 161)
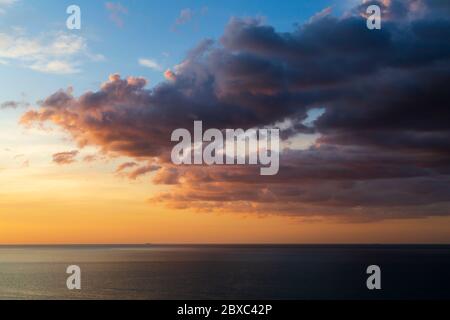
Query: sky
point(86, 118)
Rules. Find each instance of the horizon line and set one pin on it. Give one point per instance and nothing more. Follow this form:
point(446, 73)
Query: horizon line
point(219, 244)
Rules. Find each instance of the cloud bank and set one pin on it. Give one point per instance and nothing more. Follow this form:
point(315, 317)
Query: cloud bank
point(384, 137)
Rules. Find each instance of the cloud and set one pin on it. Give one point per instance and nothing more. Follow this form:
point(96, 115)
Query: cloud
point(125, 165)
point(14, 104)
point(321, 14)
point(384, 139)
point(150, 63)
point(26, 164)
point(187, 15)
point(184, 17)
point(168, 176)
point(123, 169)
point(5, 4)
point(56, 67)
point(65, 157)
point(90, 158)
point(170, 75)
point(116, 11)
point(58, 53)
point(142, 171)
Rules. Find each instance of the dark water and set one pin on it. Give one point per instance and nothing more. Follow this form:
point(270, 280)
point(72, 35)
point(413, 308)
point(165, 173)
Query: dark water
point(225, 272)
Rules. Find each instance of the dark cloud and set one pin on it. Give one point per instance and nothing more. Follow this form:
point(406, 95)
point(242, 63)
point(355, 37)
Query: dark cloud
point(383, 150)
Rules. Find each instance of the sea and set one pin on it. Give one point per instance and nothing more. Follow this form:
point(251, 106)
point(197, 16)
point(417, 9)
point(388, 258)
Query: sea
point(225, 272)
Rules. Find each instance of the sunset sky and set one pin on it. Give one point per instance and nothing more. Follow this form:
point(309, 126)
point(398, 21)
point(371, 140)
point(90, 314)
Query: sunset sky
point(86, 118)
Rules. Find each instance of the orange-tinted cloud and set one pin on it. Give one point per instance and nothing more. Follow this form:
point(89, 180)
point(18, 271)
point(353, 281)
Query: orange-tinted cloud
point(384, 134)
point(90, 158)
point(134, 174)
point(125, 165)
point(65, 157)
point(170, 75)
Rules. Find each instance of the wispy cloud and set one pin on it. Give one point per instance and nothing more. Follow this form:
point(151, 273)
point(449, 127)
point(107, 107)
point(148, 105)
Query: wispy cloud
point(124, 169)
point(56, 67)
point(150, 63)
point(7, 2)
point(65, 157)
point(90, 158)
point(184, 17)
point(133, 175)
point(125, 165)
point(116, 11)
point(26, 164)
point(4, 4)
point(187, 15)
point(14, 104)
point(58, 53)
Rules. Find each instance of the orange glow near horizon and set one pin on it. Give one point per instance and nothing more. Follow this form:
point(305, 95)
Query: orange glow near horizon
point(169, 227)
point(83, 203)
point(90, 212)
point(86, 203)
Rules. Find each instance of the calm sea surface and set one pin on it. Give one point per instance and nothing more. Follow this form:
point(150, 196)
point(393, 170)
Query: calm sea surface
point(225, 272)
